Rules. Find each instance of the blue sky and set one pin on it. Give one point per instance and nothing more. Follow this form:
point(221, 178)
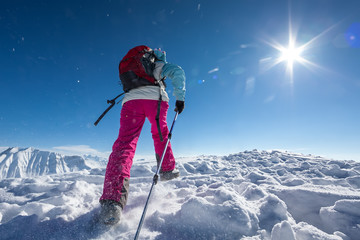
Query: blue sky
point(59, 64)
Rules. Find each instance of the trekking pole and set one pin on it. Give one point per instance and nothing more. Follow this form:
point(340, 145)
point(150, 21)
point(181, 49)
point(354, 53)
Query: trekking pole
point(155, 179)
point(112, 102)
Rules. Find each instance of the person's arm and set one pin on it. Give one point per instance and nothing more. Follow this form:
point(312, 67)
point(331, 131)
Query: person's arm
point(177, 76)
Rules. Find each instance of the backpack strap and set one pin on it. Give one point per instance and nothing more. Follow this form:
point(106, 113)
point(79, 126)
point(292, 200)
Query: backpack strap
point(158, 116)
point(161, 84)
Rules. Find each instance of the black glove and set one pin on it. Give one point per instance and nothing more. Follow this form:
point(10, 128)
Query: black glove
point(180, 105)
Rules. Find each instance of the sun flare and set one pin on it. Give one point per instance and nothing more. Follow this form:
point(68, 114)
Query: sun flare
point(289, 55)
point(292, 53)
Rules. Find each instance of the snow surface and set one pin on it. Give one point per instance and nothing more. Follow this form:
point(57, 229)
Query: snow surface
point(250, 195)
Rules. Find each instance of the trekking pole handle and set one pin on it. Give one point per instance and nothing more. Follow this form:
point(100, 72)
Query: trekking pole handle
point(172, 125)
point(112, 102)
point(103, 114)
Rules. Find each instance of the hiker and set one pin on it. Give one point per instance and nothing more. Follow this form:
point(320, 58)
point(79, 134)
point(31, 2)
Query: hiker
point(145, 97)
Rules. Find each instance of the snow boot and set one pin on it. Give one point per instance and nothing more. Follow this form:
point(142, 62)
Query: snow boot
point(110, 212)
point(165, 176)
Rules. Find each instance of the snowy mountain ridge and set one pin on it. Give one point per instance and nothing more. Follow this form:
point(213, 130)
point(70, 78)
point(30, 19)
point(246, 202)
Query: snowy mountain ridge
point(18, 162)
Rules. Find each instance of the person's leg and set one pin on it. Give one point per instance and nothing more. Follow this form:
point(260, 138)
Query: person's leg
point(151, 111)
point(116, 184)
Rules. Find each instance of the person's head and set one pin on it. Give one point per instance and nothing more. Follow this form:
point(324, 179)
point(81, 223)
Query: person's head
point(160, 55)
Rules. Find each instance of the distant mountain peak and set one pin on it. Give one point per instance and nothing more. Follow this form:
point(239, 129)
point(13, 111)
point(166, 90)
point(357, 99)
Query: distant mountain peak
point(16, 162)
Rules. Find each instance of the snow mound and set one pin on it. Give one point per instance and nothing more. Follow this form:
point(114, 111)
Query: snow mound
point(250, 195)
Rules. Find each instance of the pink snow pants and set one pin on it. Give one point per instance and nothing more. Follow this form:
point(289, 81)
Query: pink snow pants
point(133, 114)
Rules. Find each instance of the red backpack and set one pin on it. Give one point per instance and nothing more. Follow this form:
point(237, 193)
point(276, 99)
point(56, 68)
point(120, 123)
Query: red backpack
point(136, 68)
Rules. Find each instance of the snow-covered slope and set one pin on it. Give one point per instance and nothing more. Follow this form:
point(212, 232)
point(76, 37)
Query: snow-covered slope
point(250, 195)
point(28, 162)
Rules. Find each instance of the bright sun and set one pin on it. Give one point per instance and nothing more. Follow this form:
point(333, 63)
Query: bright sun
point(291, 55)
